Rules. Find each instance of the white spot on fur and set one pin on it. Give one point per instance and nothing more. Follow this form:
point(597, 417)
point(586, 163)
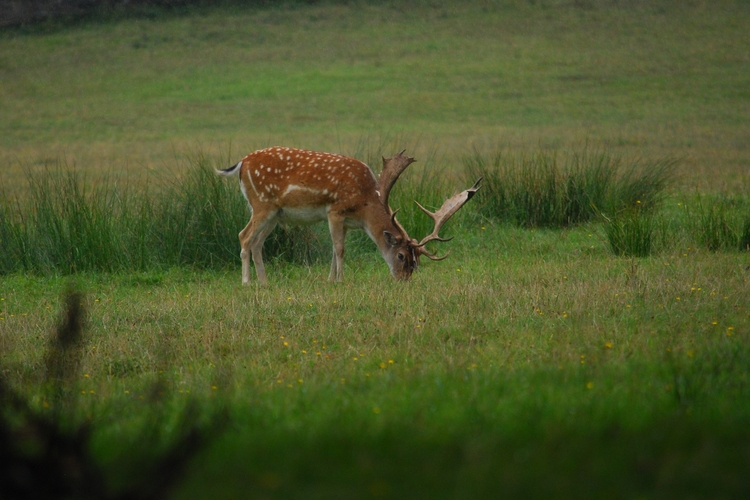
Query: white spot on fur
point(294, 187)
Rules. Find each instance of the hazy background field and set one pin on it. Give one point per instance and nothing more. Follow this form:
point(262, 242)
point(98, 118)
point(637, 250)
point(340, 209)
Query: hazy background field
point(650, 78)
point(536, 361)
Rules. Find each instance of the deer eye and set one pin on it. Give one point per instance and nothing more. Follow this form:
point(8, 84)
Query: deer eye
point(401, 256)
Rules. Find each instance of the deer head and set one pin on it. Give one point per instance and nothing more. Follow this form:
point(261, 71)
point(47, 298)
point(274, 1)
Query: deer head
point(407, 249)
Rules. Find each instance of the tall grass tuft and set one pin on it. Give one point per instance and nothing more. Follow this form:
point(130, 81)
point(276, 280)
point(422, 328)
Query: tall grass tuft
point(745, 236)
point(188, 217)
point(721, 222)
point(552, 189)
point(66, 223)
point(13, 240)
point(631, 233)
point(198, 218)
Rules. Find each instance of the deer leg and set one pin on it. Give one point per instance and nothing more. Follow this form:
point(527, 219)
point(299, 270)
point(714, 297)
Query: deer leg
point(251, 241)
point(332, 274)
point(338, 236)
point(256, 247)
point(244, 251)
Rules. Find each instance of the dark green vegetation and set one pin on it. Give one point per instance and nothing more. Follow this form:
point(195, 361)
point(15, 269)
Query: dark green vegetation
point(576, 343)
point(44, 15)
point(723, 222)
point(538, 190)
point(68, 224)
point(65, 223)
point(46, 452)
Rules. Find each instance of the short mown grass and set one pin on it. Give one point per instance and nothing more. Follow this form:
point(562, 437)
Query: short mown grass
point(128, 93)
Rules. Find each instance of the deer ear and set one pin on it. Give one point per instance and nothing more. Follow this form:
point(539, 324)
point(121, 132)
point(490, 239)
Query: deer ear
point(391, 239)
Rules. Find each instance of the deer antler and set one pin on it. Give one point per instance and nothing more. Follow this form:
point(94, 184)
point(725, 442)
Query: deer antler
point(440, 217)
point(392, 169)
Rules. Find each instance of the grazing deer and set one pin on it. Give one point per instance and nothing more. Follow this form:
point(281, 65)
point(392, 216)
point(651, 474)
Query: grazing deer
point(295, 186)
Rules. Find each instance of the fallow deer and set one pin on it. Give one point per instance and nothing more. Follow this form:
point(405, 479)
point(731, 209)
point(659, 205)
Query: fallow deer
point(294, 186)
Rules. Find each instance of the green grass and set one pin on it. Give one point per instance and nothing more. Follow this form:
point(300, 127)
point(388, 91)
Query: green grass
point(533, 362)
point(536, 189)
point(631, 233)
point(722, 222)
point(652, 80)
point(66, 222)
point(551, 348)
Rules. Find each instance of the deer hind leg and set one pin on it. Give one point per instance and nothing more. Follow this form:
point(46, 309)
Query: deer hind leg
point(338, 236)
point(257, 251)
point(244, 254)
point(251, 242)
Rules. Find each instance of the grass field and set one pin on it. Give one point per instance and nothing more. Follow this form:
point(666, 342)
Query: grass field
point(652, 79)
point(533, 362)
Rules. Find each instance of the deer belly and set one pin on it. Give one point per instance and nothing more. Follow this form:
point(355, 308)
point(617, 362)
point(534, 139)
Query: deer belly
point(302, 216)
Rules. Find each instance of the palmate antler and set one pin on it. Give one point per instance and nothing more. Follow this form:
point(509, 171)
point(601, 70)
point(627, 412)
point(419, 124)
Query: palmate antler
point(392, 169)
point(440, 217)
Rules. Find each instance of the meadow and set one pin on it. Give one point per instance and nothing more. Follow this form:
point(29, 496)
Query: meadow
point(587, 335)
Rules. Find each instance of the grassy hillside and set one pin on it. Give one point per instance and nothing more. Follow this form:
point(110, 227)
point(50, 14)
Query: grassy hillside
point(652, 79)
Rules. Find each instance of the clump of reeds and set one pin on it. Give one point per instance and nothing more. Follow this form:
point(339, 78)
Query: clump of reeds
point(631, 233)
point(722, 222)
point(191, 217)
point(68, 223)
point(553, 189)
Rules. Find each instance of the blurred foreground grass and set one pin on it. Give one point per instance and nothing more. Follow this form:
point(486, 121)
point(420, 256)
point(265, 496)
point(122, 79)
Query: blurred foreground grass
point(527, 354)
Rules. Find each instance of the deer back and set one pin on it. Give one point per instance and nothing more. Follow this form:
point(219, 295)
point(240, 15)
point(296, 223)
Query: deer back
point(296, 178)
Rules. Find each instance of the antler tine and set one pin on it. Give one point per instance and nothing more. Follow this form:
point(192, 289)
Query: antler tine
point(441, 216)
point(396, 223)
point(438, 224)
point(432, 256)
point(392, 169)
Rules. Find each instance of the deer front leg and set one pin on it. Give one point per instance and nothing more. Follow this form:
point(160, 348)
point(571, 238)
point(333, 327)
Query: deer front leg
point(338, 236)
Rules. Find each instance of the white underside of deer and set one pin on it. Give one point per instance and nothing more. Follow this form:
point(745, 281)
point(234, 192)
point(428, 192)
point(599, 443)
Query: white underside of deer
point(299, 187)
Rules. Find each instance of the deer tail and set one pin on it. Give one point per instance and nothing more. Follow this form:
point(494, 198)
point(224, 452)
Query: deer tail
point(226, 172)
